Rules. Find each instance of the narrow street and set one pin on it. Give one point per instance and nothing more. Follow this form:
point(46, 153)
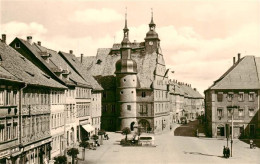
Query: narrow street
point(171, 149)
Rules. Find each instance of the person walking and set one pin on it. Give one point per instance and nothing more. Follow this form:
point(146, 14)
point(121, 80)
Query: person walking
point(224, 152)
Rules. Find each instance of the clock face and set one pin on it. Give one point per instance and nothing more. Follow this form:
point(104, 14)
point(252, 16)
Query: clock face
point(150, 43)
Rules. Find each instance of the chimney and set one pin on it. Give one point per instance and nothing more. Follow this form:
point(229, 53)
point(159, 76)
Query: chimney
point(71, 51)
point(234, 60)
point(4, 38)
point(39, 43)
point(29, 39)
point(81, 58)
point(238, 57)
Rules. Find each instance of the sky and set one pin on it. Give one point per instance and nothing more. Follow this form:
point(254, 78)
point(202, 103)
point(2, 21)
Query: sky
point(199, 38)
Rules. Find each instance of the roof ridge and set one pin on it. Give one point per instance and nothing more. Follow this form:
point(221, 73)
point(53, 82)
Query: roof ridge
point(228, 71)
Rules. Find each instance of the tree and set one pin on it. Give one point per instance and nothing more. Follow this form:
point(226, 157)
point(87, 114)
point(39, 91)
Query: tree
point(73, 152)
point(84, 145)
point(125, 132)
point(94, 137)
point(60, 159)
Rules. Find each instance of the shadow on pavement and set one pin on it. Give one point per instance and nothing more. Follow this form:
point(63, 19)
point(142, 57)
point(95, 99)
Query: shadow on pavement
point(197, 153)
point(189, 129)
point(255, 141)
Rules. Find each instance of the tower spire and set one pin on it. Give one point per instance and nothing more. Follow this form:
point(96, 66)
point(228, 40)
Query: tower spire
point(151, 23)
point(125, 18)
point(125, 42)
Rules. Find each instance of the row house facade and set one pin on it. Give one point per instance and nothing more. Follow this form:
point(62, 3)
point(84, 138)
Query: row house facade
point(134, 78)
point(93, 123)
point(71, 105)
point(29, 109)
point(234, 98)
point(185, 102)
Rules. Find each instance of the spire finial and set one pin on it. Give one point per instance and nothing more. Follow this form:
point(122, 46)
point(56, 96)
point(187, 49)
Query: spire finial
point(152, 23)
point(125, 17)
point(152, 12)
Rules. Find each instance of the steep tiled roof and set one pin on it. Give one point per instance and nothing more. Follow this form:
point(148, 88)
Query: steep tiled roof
point(77, 65)
point(104, 65)
point(56, 63)
point(243, 75)
point(5, 75)
point(184, 90)
point(23, 69)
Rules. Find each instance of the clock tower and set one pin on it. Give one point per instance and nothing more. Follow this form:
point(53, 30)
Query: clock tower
point(152, 41)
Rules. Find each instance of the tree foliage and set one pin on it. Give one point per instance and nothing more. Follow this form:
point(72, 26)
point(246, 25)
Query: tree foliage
point(73, 152)
point(84, 144)
point(60, 159)
point(126, 131)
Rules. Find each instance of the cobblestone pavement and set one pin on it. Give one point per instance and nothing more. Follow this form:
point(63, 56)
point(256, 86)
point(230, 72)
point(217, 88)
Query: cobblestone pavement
point(171, 149)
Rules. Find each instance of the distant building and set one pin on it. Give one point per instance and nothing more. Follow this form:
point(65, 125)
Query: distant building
point(134, 79)
point(26, 107)
point(185, 101)
point(235, 94)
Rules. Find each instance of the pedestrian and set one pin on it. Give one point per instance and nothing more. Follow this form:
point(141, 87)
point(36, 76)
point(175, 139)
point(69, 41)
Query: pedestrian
point(228, 152)
point(224, 152)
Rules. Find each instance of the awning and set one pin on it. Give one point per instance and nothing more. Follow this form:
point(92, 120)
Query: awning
point(88, 128)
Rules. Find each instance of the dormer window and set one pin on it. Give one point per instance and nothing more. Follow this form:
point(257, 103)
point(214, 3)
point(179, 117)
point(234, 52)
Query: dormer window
point(17, 45)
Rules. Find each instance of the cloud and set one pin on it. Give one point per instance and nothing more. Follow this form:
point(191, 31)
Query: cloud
point(19, 29)
point(103, 15)
point(195, 59)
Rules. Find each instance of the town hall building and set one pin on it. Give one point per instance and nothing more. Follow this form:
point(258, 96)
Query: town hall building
point(135, 82)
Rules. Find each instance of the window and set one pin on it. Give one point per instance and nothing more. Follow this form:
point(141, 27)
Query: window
point(241, 96)
point(113, 108)
point(143, 94)
point(17, 45)
point(15, 97)
point(240, 112)
point(121, 92)
point(141, 108)
point(230, 96)
point(251, 96)
point(128, 107)
point(8, 97)
point(251, 112)
point(220, 97)
point(8, 131)
point(220, 112)
point(229, 112)
point(1, 97)
point(104, 95)
point(105, 108)
point(2, 132)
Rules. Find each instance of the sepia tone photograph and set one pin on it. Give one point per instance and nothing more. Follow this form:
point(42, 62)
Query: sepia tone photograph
point(129, 81)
